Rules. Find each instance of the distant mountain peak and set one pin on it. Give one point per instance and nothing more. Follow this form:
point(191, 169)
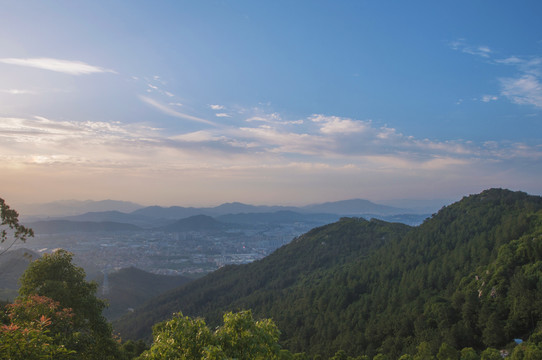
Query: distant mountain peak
point(355, 207)
point(76, 207)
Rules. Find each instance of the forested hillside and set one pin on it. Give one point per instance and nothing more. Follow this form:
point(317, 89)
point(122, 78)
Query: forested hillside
point(468, 276)
point(262, 284)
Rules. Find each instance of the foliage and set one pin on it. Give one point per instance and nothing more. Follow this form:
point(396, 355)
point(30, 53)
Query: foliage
point(179, 338)
point(447, 352)
point(25, 310)
point(56, 277)
point(10, 226)
point(37, 329)
point(241, 337)
point(529, 350)
point(132, 349)
point(490, 354)
point(469, 353)
point(372, 287)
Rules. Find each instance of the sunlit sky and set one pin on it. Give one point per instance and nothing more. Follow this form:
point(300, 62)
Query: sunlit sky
point(268, 102)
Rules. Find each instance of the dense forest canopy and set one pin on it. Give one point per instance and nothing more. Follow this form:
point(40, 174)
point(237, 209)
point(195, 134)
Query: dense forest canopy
point(373, 287)
point(466, 284)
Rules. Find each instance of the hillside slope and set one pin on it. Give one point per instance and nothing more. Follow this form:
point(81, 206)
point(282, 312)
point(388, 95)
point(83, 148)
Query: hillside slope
point(368, 286)
point(264, 281)
point(129, 288)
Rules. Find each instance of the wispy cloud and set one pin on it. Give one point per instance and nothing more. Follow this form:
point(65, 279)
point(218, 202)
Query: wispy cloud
point(526, 87)
point(480, 50)
point(319, 151)
point(525, 90)
point(488, 98)
point(337, 125)
point(217, 107)
point(169, 111)
point(272, 118)
point(223, 115)
point(40, 136)
point(57, 65)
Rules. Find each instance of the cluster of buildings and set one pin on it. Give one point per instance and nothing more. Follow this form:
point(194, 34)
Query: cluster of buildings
point(190, 253)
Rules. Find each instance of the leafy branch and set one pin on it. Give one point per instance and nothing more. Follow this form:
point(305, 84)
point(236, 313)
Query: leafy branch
point(10, 226)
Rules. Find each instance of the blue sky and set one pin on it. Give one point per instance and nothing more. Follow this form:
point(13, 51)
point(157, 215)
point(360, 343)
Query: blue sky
point(268, 102)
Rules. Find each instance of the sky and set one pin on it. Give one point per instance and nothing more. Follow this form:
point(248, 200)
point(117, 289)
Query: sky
point(197, 103)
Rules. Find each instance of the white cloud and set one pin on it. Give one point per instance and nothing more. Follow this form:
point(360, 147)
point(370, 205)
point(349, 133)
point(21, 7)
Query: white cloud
point(525, 90)
point(168, 111)
point(273, 140)
point(484, 50)
point(217, 107)
point(488, 98)
point(57, 65)
point(268, 151)
point(197, 136)
point(337, 125)
point(223, 115)
point(273, 118)
point(40, 136)
point(512, 60)
point(461, 45)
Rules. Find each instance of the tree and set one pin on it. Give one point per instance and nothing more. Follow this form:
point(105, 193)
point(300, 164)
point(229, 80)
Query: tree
point(447, 352)
point(25, 311)
point(469, 353)
point(380, 357)
point(132, 349)
point(10, 226)
point(37, 329)
point(424, 352)
point(339, 355)
point(241, 338)
point(56, 277)
point(181, 338)
point(493, 334)
point(491, 354)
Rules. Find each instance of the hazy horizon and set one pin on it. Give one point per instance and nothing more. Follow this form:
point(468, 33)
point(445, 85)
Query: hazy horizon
point(398, 203)
point(199, 103)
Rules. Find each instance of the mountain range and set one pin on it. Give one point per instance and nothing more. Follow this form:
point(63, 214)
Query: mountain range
point(75, 207)
point(468, 276)
point(156, 217)
point(65, 209)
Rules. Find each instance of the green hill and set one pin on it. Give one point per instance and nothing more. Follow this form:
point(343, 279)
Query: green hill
point(195, 223)
point(371, 286)
point(129, 288)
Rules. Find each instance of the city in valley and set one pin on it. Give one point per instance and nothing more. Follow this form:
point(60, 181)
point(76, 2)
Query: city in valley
point(189, 241)
point(191, 253)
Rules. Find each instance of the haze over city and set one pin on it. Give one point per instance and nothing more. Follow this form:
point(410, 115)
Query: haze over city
point(278, 102)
